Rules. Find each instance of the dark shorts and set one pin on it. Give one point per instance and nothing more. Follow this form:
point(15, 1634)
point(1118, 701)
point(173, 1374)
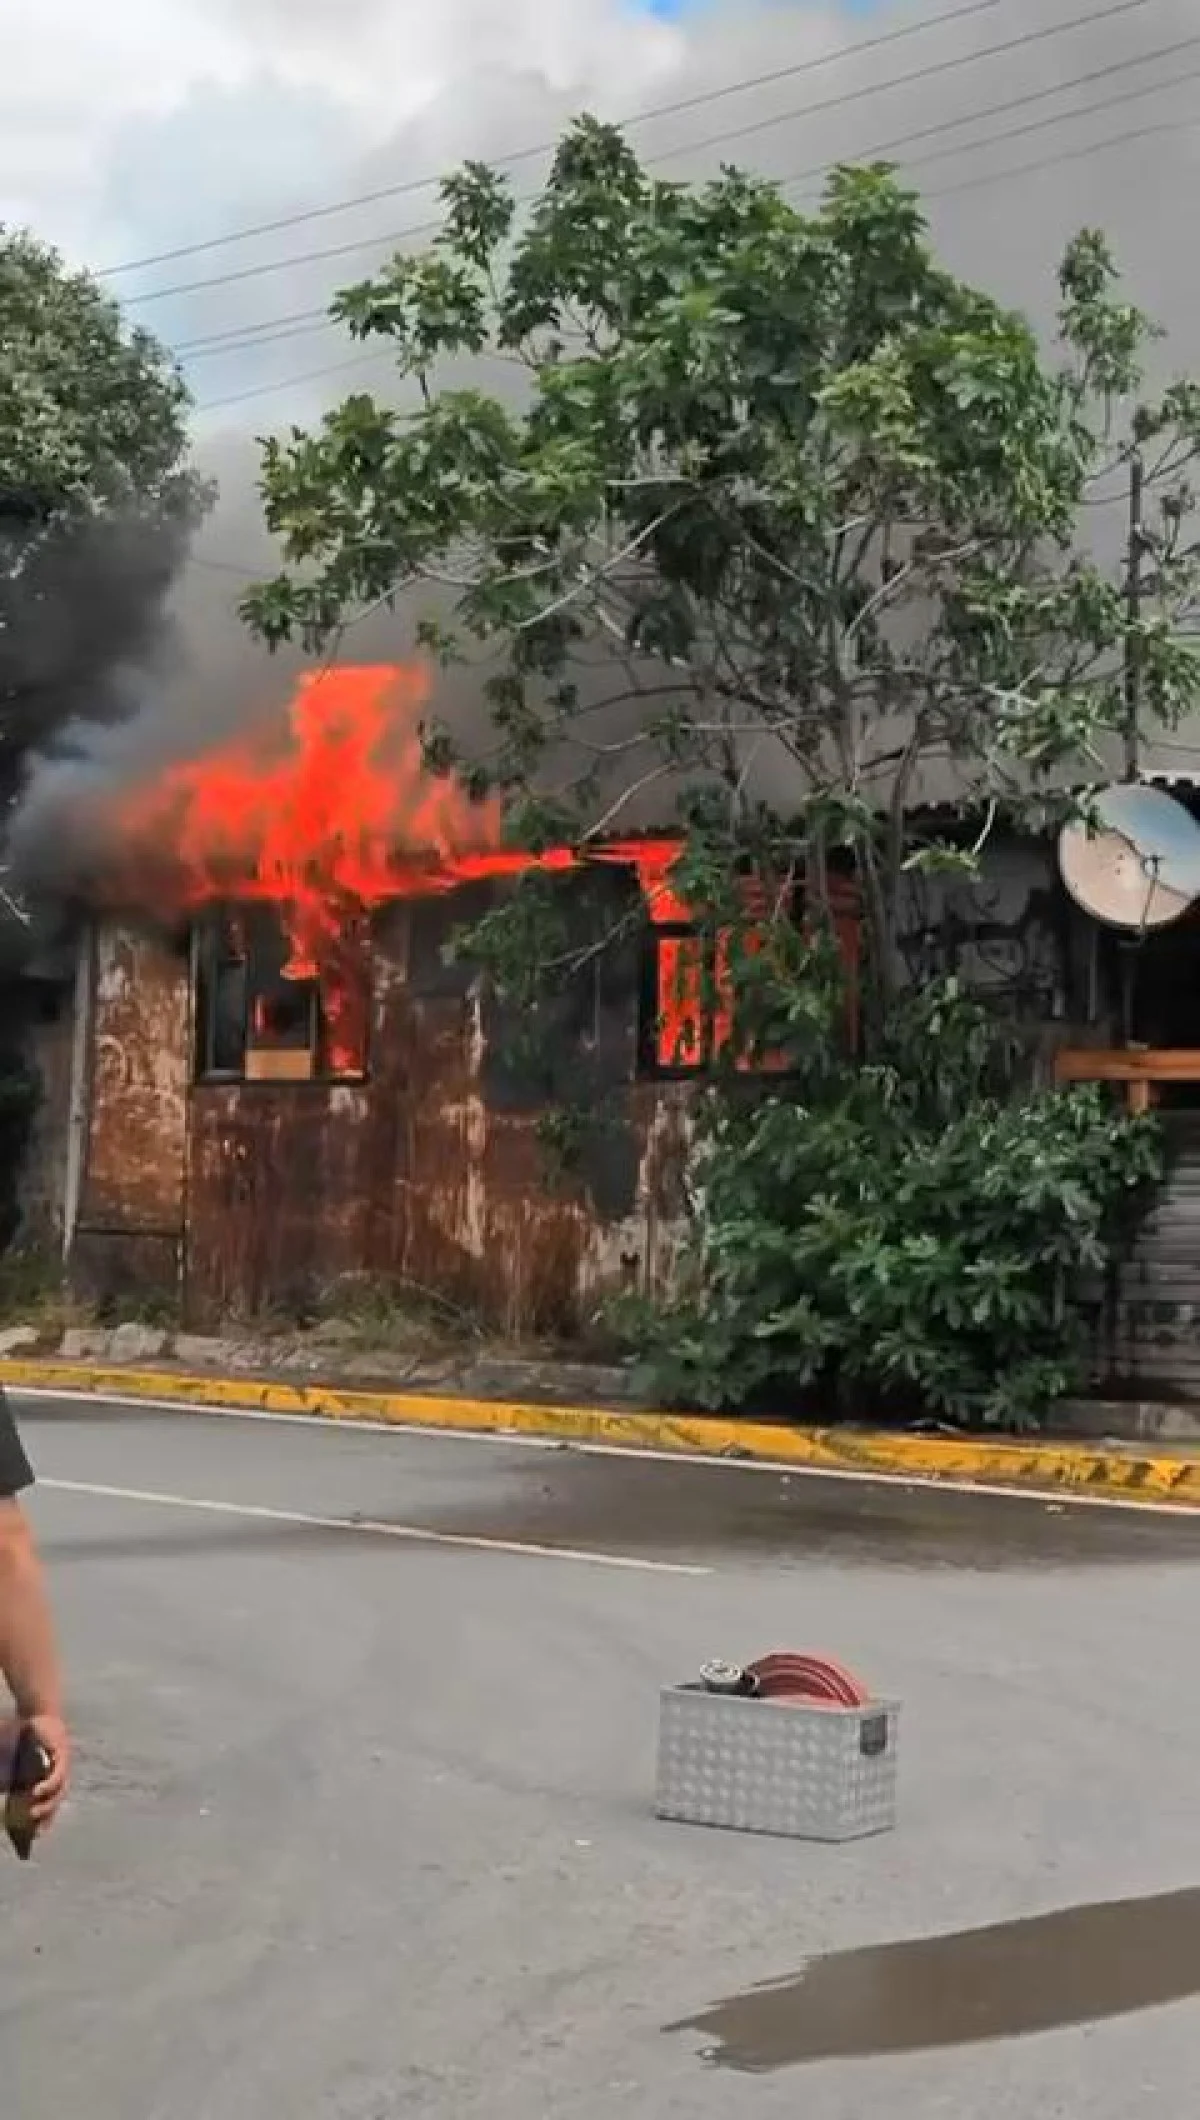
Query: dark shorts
point(16, 1472)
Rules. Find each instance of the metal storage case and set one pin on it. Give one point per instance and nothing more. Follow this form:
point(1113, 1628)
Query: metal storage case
point(760, 1766)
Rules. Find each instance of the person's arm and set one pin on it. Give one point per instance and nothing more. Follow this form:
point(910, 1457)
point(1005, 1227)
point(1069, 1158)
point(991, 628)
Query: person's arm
point(28, 1650)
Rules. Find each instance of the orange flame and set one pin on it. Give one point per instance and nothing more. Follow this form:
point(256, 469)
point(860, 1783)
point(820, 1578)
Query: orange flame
point(337, 816)
point(332, 813)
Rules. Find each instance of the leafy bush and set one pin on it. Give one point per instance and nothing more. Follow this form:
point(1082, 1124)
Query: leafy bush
point(905, 1237)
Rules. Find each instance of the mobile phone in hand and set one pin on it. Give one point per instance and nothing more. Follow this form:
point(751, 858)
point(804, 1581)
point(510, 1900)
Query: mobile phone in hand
point(31, 1763)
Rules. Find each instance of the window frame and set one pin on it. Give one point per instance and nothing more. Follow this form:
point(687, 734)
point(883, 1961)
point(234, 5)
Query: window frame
point(209, 930)
point(711, 938)
point(652, 1065)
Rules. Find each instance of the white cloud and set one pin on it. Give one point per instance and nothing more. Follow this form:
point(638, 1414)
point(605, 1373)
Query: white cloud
point(73, 77)
point(162, 123)
point(87, 96)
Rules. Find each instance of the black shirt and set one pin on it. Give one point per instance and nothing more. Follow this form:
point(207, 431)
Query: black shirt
point(16, 1472)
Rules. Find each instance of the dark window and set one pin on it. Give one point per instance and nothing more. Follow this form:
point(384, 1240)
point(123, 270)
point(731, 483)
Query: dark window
point(226, 992)
point(260, 1017)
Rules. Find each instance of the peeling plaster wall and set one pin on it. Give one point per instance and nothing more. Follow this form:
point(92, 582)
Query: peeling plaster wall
point(420, 1176)
point(259, 1195)
point(131, 1200)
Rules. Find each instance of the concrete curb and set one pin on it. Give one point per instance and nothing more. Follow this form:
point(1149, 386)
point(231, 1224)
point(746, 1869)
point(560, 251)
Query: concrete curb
point(1121, 1474)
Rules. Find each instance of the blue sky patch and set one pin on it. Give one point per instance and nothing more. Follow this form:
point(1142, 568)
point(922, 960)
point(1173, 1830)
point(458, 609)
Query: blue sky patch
point(671, 9)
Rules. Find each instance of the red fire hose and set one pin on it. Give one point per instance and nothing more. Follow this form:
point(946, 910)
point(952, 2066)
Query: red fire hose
point(818, 1680)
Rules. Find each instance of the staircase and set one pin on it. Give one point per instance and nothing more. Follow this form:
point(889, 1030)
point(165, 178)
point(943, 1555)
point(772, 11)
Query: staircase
point(1148, 1338)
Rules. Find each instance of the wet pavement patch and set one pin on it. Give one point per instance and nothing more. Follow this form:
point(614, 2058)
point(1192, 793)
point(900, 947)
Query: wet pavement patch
point(675, 1510)
point(1076, 1966)
point(686, 1511)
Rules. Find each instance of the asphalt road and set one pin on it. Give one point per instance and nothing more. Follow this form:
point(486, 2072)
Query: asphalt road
point(363, 1818)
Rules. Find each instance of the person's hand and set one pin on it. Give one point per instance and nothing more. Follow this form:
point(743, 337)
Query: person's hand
point(44, 1802)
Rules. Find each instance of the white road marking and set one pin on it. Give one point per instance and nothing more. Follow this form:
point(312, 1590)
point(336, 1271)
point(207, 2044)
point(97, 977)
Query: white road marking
point(413, 1534)
point(517, 1439)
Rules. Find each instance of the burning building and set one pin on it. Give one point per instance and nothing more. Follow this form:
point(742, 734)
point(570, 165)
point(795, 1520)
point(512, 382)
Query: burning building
point(278, 1073)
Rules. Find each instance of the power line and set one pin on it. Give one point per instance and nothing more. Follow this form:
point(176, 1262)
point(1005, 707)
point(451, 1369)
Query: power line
point(303, 323)
point(1002, 176)
point(219, 339)
point(292, 382)
point(302, 257)
point(525, 154)
point(932, 71)
point(1070, 154)
point(227, 566)
point(362, 360)
point(251, 336)
point(1038, 95)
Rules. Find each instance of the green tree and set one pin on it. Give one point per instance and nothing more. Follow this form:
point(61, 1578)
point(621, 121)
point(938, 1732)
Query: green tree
point(812, 507)
point(96, 505)
point(97, 499)
point(812, 499)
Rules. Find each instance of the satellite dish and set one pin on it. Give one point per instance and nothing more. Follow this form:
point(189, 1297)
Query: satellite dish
point(1141, 867)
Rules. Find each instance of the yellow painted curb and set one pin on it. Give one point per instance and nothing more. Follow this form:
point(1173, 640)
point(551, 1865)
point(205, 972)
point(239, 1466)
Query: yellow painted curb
point(1083, 1468)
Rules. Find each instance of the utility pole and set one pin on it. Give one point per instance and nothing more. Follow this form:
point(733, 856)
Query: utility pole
point(1132, 689)
point(1133, 612)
